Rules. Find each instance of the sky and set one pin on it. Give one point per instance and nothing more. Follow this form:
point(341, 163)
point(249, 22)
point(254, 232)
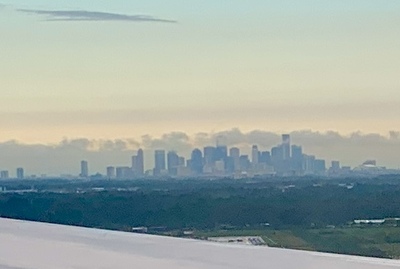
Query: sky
point(109, 70)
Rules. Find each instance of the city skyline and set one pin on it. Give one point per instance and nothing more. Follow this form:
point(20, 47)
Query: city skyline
point(104, 70)
point(284, 160)
point(123, 154)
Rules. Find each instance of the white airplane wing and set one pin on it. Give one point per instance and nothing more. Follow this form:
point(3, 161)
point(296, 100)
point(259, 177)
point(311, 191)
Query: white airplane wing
point(30, 245)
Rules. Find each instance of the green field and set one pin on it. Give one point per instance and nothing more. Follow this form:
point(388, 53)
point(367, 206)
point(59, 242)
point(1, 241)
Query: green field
point(365, 241)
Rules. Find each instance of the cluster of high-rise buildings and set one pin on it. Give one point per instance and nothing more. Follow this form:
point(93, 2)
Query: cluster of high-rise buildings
point(4, 174)
point(284, 159)
point(136, 170)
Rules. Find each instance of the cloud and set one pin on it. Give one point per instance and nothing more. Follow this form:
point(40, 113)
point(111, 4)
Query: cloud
point(83, 15)
point(177, 141)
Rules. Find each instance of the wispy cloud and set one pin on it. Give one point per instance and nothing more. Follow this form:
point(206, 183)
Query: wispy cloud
point(83, 15)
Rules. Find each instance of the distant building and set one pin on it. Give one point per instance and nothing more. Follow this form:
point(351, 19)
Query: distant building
point(123, 172)
point(254, 155)
point(20, 173)
point(308, 163)
point(370, 168)
point(265, 157)
point(221, 152)
point(159, 162)
point(84, 169)
point(244, 163)
point(219, 167)
point(319, 167)
point(286, 147)
point(277, 159)
point(196, 164)
point(110, 172)
point(229, 165)
point(346, 169)
point(335, 168)
point(209, 155)
point(296, 164)
point(234, 153)
point(172, 163)
point(138, 164)
point(4, 174)
point(335, 165)
point(182, 161)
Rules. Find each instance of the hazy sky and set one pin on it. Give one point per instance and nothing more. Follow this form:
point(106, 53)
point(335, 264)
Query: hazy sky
point(152, 67)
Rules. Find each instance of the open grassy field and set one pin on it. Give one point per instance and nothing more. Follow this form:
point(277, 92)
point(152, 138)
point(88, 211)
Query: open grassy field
point(365, 241)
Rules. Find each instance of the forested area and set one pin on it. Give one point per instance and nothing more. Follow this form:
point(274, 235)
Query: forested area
point(208, 206)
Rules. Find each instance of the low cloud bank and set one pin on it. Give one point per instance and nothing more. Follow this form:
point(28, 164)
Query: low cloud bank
point(65, 156)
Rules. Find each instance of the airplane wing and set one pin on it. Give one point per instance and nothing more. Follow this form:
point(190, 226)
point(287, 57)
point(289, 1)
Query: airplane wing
point(31, 245)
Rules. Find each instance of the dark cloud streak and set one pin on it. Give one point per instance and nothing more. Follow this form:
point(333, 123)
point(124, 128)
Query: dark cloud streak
point(83, 15)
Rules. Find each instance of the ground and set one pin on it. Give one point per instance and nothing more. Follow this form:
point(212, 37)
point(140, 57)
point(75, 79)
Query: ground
point(376, 241)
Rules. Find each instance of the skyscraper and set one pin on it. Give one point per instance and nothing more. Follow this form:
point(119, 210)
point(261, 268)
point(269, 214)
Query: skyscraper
point(172, 163)
point(286, 154)
point(84, 169)
point(319, 166)
point(221, 152)
point(159, 162)
point(297, 159)
point(181, 161)
point(110, 172)
point(286, 147)
point(20, 173)
point(138, 164)
point(254, 155)
point(277, 158)
point(221, 155)
point(196, 162)
point(229, 165)
point(209, 155)
point(234, 153)
point(244, 163)
point(124, 172)
point(308, 163)
point(265, 157)
point(335, 166)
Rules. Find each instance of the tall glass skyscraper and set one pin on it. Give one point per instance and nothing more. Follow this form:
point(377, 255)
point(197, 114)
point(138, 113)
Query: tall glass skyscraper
point(159, 158)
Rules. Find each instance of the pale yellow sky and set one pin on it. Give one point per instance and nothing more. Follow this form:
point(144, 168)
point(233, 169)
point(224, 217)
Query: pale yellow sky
point(263, 65)
point(53, 126)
